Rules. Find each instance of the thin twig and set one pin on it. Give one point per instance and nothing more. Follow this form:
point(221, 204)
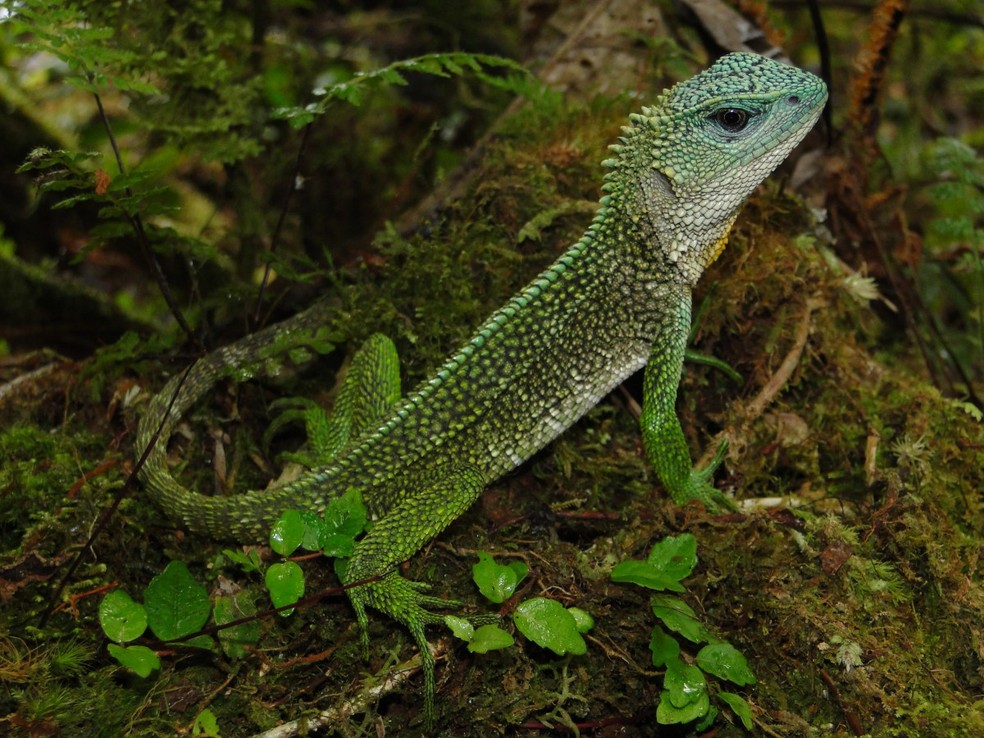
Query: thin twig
point(138, 227)
point(278, 229)
point(770, 390)
point(397, 677)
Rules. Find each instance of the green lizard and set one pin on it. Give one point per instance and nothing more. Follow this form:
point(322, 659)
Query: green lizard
point(617, 300)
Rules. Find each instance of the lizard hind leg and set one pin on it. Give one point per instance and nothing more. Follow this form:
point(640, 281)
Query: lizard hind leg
point(421, 513)
point(369, 389)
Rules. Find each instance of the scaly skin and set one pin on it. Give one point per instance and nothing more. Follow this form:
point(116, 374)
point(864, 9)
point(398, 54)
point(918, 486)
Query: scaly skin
point(617, 300)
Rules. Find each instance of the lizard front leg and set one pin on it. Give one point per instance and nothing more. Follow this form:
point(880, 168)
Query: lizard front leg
point(662, 435)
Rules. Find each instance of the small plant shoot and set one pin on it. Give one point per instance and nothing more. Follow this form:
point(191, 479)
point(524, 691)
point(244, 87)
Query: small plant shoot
point(670, 560)
point(498, 582)
point(686, 693)
point(141, 660)
point(287, 533)
point(483, 639)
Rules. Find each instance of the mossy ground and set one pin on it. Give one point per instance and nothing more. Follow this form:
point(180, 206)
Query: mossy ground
point(859, 608)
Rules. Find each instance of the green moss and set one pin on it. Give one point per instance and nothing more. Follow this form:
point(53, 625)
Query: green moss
point(38, 468)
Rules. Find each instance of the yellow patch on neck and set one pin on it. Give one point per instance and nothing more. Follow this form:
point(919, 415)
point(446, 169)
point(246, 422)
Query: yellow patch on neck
point(718, 247)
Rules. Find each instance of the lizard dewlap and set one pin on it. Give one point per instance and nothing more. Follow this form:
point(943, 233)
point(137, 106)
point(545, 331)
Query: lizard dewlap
point(615, 301)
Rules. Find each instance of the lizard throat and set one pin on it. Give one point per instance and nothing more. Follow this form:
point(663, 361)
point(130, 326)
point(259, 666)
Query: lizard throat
point(718, 247)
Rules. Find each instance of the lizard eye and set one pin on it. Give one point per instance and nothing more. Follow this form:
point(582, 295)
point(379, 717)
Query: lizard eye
point(731, 119)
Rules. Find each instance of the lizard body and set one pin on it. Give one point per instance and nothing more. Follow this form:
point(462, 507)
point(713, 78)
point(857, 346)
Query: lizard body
point(617, 300)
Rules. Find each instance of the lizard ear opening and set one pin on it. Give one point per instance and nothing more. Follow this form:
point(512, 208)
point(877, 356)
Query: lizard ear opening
point(660, 186)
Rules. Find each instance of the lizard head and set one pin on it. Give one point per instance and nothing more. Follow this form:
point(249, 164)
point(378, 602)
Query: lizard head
point(686, 164)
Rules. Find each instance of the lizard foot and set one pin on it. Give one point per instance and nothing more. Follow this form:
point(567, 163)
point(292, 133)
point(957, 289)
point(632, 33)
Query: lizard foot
point(700, 485)
point(404, 601)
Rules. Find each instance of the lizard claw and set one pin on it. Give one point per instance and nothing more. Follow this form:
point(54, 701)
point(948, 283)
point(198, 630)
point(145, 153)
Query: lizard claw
point(700, 484)
point(403, 600)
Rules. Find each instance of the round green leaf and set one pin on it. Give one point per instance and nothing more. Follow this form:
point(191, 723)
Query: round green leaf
point(121, 618)
point(726, 662)
point(346, 514)
point(336, 545)
point(645, 575)
point(286, 584)
point(312, 529)
point(684, 683)
point(234, 640)
point(582, 619)
point(287, 533)
point(344, 519)
point(138, 659)
point(497, 582)
point(684, 697)
point(669, 714)
point(490, 638)
point(676, 556)
point(460, 627)
point(548, 624)
point(176, 603)
point(520, 569)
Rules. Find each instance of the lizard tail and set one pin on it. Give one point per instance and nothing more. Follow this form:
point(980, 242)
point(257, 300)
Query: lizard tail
point(225, 518)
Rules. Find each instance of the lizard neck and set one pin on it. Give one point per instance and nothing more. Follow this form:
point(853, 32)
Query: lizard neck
point(657, 233)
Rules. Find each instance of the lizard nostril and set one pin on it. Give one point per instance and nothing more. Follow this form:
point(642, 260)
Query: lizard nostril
point(793, 99)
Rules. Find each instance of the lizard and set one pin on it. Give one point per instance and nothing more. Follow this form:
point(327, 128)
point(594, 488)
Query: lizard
point(617, 300)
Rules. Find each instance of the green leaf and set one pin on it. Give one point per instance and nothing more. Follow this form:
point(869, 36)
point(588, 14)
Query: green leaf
point(675, 555)
point(287, 533)
point(460, 627)
point(669, 714)
point(497, 582)
point(234, 640)
point(337, 545)
point(582, 619)
point(684, 697)
point(176, 603)
point(680, 618)
point(739, 707)
point(138, 659)
point(249, 560)
point(685, 683)
point(548, 624)
point(121, 618)
point(706, 721)
point(725, 662)
point(285, 581)
point(663, 647)
point(490, 638)
point(645, 575)
point(206, 724)
point(344, 519)
point(669, 561)
point(312, 530)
